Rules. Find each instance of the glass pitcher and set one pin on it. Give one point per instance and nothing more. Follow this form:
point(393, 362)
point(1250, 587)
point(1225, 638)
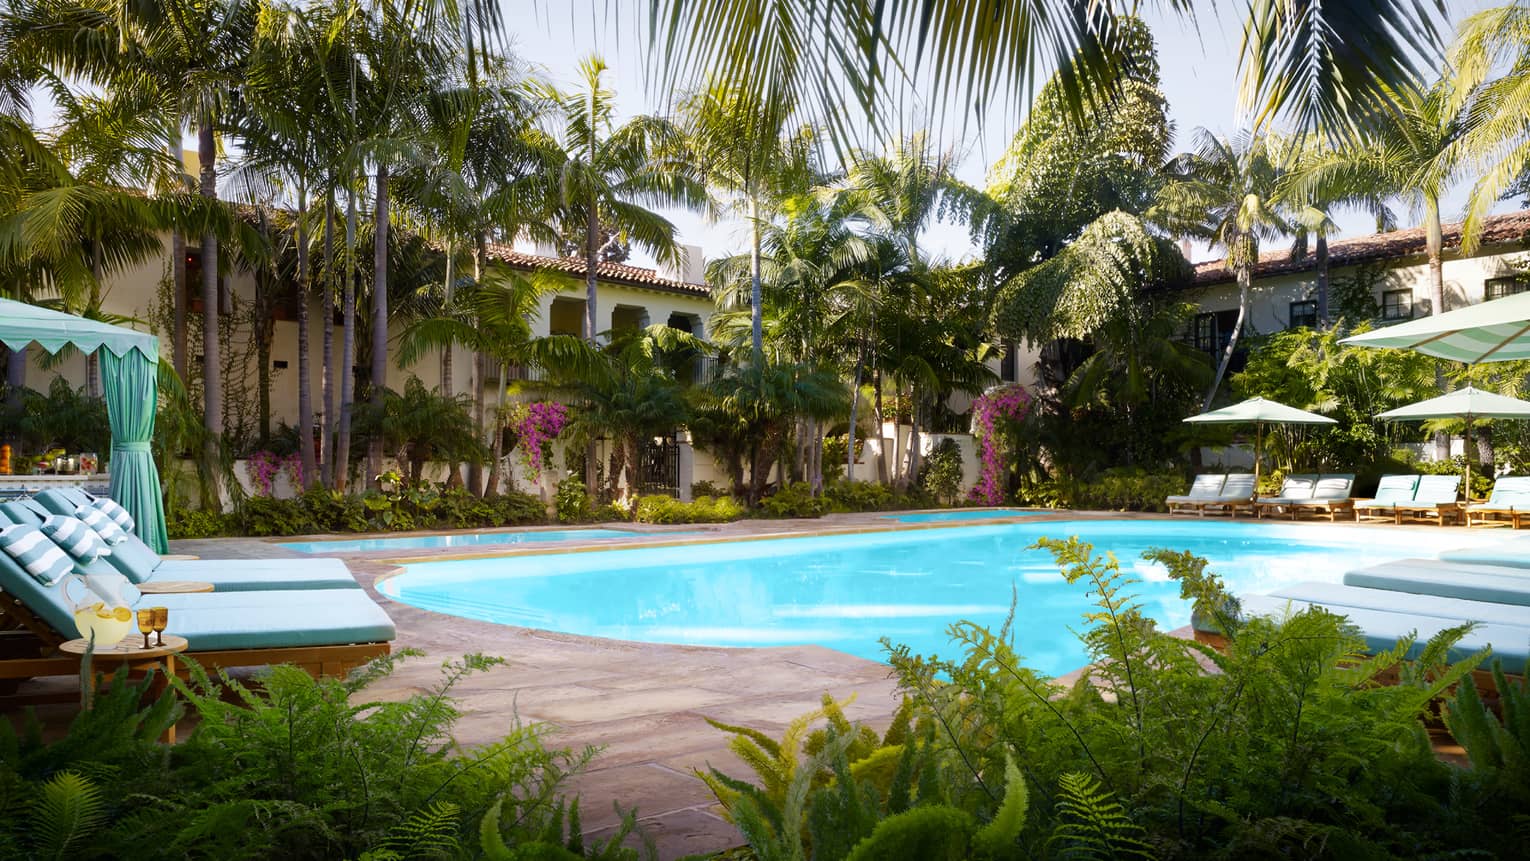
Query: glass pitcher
point(103, 617)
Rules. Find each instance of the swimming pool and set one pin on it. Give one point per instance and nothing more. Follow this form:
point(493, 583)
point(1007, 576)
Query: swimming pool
point(472, 539)
point(961, 516)
point(846, 591)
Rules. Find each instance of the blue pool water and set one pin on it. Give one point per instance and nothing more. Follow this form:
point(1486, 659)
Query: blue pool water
point(846, 591)
point(475, 539)
point(961, 516)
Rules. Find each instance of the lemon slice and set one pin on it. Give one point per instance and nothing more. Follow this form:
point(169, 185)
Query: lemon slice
point(122, 614)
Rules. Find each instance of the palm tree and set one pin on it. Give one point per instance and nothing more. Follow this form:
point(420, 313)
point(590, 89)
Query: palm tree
point(1497, 139)
point(836, 60)
point(1225, 191)
point(742, 151)
point(609, 174)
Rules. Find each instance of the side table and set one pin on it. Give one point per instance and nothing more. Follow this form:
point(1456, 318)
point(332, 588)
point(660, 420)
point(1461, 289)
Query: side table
point(131, 654)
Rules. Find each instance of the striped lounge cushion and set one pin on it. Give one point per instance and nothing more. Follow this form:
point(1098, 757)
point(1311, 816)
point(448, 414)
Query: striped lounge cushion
point(36, 555)
point(102, 523)
point(78, 540)
point(117, 513)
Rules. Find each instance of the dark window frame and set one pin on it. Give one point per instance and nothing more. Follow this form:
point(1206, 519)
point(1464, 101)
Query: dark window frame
point(1504, 285)
point(1398, 312)
point(1306, 317)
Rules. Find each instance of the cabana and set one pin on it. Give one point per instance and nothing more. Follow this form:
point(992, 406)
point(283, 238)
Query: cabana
point(130, 378)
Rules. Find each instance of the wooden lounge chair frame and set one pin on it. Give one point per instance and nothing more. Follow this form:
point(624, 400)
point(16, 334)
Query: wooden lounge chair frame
point(1442, 512)
point(1333, 508)
point(1191, 506)
point(30, 650)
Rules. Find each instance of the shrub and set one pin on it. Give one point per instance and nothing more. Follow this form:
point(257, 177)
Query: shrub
point(794, 500)
point(420, 506)
point(852, 496)
point(288, 768)
point(195, 523)
point(572, 501)
point(941, 473)
point(706, 488)
point(1122, 489)
point(666, 509)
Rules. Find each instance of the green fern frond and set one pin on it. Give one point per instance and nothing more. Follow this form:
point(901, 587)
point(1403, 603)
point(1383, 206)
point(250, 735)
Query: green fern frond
point(997, 837)
point(67, 814)
point(1092, 824)
point(431, 831)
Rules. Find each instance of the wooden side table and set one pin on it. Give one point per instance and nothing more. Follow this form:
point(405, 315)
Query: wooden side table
point(130, 653)
point(173, 587)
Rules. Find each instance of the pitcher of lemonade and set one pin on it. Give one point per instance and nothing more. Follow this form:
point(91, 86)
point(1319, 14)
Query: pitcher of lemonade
point(105, 621)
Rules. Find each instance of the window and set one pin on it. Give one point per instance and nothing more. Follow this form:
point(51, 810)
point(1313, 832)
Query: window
point(1214, 329)
point(1507, 285)
point(1397, 305)
point(1304, 314)
point(1007, 363)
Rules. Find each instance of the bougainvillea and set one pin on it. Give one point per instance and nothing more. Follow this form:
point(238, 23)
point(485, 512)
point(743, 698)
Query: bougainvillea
point(536, 425)
point(1000, 404)
point(264, 466)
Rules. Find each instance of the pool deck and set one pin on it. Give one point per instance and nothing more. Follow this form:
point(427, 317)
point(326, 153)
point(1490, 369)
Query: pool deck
point(643, 704)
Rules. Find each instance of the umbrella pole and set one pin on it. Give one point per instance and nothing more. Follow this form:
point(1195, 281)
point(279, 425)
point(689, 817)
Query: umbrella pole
point(1258, 446)
point(1466, 457)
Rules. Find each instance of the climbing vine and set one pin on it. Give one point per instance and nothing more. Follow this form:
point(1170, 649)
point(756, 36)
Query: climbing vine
point(1000, 404)
point(536, 425)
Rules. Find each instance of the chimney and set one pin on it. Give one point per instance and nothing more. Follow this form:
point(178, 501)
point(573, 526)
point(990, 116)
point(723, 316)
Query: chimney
point(691, 268)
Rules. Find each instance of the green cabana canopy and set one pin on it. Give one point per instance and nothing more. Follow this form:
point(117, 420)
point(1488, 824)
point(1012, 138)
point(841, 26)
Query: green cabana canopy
point(130, 376)
point(1496, 331)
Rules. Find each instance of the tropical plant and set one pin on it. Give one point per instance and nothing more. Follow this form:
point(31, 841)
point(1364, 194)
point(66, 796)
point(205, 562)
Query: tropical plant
point(1225, 191)
point(1490, 59)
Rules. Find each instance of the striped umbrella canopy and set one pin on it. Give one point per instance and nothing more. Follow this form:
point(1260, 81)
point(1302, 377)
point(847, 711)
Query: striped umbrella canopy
point(1464, 403)
point(1496, 331)
point(1259, 412)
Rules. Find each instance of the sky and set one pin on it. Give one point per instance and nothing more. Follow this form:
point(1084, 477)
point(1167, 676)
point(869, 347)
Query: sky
point(1199, 63)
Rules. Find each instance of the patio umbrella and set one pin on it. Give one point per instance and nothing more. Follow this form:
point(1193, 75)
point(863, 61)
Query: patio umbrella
point(1259, 412)
point(1465, 403)
point(1496, 331)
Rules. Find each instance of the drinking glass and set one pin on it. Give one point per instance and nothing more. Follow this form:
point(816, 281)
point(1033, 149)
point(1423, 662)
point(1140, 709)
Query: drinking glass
point(161, 621)
point(145, 625)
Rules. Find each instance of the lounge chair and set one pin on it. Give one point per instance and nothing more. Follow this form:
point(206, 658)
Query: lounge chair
point(141, 564)
point(1435, 497)
point(1381, 629)
point(1293, 489)
point(1237, 492)
point(324, 631)
point(1496, 583)
point(1514, 553)
point(1509, 502)
point(1457, 610)
point(1330, 496)
point(1203, 488)
point(1394, 490)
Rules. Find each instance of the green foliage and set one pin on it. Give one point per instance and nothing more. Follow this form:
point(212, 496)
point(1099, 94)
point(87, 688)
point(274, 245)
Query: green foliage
point(1310, 369)
point(413, 506)
point(706, 488)
point(1117, 489)
point(941, 473)
point(1286, 744)
point(851, 496)
point(422, 425)
point(794, 500)
point(660, 508)
point(63, 418)
point(1498, 747)
point(291, 767)
point(196, 523)
point(572, 501)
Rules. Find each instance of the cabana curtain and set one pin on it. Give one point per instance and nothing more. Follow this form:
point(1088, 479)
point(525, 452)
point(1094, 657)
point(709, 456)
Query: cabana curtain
point(130, 377)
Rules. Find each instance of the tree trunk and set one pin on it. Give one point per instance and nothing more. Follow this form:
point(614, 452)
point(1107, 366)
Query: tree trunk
point(16, 375)
point(1245, 283)
point(497, 434)
point(305, 383)
point(592, 226)
point(855, 400)
point(263, 356)
point(212, 363)
point(448, 385)
point(480, 374)
point(342, 465)
point(1322, 279)
point(756, 297)
point(327, 375)
point(878, 419)
point(178, 302)
point(914, 451)
point(379, 312)
point(1434, 246)
point(815, 458)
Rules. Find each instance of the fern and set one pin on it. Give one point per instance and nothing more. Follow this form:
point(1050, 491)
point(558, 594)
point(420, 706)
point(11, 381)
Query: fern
point(1091, 824)
point(66, 816)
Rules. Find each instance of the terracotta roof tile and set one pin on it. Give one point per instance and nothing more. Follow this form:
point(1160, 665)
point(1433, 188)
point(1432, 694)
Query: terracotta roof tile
point(1496, 230)
point(616, 273)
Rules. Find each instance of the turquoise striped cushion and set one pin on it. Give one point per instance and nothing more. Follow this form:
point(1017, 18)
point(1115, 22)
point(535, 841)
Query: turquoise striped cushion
point(104, 526)
point(117, 513)
point(75, 538)
point(35, 553)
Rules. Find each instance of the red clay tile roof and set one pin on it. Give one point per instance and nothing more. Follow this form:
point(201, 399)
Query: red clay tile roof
point(616, 273)
point(1512, 227)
